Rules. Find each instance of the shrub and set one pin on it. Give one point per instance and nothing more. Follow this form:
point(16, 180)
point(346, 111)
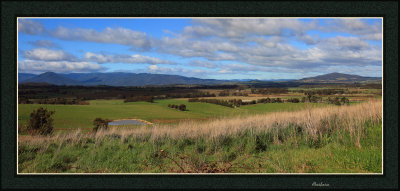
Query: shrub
point(293, 100)
point(100, 123)
point(40, 122)
point(21, 128)
point(182, 107)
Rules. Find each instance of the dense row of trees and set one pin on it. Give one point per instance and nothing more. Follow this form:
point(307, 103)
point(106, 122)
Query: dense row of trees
point(227, 103)
point(61, 101)
point(311, 98)
point(224, 93)
point(322, 91)
point(338, 101)
point(240, 94)
point(190, 95)
point(228, 93)
point(139, 98)
point(270, 100)
point(293, 100)
point(237, 102)
point(181, 107)
point(267, 91)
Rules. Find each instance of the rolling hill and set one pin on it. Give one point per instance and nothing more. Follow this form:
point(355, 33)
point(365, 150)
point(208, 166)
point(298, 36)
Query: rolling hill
point(52, 78)
point(117, 79)
point(339, 78)
point(143, 79)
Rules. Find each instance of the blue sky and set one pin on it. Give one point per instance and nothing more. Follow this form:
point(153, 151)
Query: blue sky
point(218, 48)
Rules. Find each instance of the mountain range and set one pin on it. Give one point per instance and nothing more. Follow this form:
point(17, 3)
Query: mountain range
point(113, 79)
point(143, 79)
point(339, 78)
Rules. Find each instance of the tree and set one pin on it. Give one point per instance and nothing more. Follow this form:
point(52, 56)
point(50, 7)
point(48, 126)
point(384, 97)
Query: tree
point(182, 107)
point(40, 122)
point(100, 123)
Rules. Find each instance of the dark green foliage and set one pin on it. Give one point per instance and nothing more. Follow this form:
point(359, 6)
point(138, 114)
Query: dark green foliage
point(139, 98)
point(224, 93)
point(227, 103)
point(201, 147)
point(338, 101)
point(269, 91)
point(263, 100)
point(240, 94)
point(21, 128)
point(293, 100)
point(260, 144)
point(181, 107)
point(40, 122)
point(100, 123)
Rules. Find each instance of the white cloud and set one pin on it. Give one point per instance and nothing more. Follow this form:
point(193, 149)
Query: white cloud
point(48, 55)
point(177, 71)
point(203, 64)
point(341, 42)
point(239, 28)
point(30, 26)
point(356, 26)
point(135, 39)
point(153, 67)
point(44, 44)
point(128, 59)
point(34, 66)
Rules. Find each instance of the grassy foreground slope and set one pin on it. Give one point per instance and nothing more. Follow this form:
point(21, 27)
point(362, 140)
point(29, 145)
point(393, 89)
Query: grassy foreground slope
point(82, 116)
point(334, 139)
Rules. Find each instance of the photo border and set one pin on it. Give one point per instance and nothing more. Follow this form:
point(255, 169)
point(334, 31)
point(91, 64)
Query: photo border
point(12, 9)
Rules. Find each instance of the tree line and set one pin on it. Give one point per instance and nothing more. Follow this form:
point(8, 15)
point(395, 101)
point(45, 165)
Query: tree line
point(267, 91)
point(59, 101)
point(139, 98)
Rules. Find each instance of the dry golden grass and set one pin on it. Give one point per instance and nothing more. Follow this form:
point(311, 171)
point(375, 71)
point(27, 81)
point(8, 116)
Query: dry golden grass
point(314, 121)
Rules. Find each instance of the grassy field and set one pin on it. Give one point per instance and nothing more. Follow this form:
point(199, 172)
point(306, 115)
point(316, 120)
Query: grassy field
point(332, 139)
point(82, 116)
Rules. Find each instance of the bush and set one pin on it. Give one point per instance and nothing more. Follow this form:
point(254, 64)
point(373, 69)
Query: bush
point(182, 107)
point(21, 129)
point(293, 100)
point(40, 122)
point(100, 123)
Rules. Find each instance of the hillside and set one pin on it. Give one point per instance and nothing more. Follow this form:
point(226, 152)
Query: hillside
point(24, 76)
point(117, 79)
point(339, 78)
point(52, 78)
point(143, 79)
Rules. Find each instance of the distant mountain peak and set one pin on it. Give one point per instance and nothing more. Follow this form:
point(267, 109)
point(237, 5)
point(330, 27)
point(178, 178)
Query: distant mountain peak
point(118, 79)
point(52, 78)
point(336, 77)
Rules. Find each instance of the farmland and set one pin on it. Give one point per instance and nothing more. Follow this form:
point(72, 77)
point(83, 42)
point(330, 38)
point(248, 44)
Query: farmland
point(327, 139)
point(81, 116)
point(312, 135)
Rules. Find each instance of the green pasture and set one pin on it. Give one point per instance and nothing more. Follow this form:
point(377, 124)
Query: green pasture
point(82, 116)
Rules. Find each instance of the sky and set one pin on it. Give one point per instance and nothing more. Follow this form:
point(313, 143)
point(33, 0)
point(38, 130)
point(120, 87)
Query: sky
point(208, 48)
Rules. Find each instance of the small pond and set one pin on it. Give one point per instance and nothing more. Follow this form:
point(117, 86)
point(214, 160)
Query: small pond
point(126, 122)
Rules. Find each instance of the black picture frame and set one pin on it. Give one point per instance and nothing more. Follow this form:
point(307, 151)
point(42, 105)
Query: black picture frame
point(10, 10)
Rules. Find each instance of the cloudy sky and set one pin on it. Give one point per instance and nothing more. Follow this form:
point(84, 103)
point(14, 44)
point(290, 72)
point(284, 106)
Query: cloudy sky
point(224, 48)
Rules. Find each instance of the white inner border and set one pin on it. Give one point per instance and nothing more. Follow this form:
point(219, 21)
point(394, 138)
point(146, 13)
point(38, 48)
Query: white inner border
point(201, 173)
